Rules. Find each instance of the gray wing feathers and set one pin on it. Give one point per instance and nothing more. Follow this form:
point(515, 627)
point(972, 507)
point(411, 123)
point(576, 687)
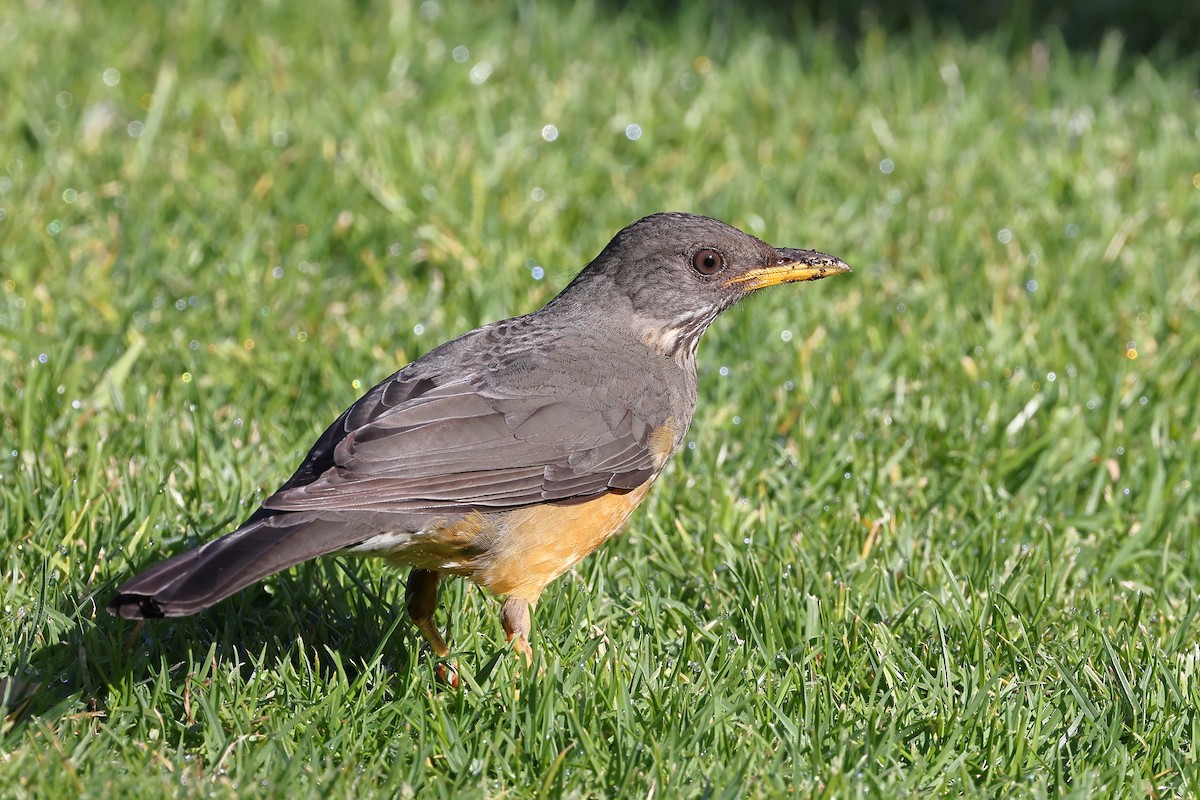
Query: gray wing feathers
point(455, 448)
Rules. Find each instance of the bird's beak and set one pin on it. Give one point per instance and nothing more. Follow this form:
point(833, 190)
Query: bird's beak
point(790, 265)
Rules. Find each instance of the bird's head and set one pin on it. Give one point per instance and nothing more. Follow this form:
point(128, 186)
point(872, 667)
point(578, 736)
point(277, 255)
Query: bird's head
point(680, 271)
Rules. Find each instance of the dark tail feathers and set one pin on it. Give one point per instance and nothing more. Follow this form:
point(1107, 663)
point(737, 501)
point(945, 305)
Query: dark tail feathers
point(264, 545)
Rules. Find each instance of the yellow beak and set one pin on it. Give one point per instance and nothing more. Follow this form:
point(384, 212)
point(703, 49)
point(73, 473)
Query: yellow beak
point(791, 265)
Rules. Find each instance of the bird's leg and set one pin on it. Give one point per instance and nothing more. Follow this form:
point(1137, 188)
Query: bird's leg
point(420, 597)
point(514, 615)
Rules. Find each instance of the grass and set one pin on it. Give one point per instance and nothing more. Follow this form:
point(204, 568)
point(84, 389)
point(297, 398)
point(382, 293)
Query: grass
point(938, 532)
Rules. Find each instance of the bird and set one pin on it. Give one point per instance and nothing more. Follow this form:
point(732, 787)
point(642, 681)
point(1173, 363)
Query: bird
point(508, 454)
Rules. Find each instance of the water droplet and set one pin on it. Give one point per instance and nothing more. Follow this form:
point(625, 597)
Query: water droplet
point(43, 358)
point(480, 72)
point(549, 132)
point(785, 336)
point(633, 131)
point(887, 166)
point(538, 194)
point(111, 76)
point(135, 128)
point(1004, 236)
point(460, 54)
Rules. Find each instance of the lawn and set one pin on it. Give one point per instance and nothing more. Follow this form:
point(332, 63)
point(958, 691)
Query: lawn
point(935, 531)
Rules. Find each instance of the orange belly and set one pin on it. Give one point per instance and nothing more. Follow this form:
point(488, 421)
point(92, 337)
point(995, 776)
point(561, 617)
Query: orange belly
point(517, 553)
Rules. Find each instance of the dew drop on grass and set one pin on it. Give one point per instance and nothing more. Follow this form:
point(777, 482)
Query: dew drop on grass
point(481, 72)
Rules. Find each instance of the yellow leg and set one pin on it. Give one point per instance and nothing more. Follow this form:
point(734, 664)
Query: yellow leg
point(420, 597)
point(515, 617)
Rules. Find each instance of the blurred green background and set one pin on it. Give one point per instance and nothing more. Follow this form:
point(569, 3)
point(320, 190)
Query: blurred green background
point(935, 529)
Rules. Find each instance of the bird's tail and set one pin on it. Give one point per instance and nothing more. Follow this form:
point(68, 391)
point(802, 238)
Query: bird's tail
point(265, 544)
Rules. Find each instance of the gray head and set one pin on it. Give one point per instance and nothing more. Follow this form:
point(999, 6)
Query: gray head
point(680, 271)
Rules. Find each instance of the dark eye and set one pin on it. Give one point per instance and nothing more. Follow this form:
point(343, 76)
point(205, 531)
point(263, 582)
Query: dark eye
point(707, 262)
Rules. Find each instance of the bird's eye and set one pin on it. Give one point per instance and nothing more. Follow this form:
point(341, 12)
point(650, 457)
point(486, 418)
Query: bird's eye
point(707, 261)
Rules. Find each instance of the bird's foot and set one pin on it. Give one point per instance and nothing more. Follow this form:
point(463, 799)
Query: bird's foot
point(447, 673)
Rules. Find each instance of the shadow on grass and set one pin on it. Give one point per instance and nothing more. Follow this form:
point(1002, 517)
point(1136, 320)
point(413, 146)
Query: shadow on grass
point(310, 616)
point(1147, 26)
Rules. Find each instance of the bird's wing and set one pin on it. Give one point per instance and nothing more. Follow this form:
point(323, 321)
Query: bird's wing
point(410, 446)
